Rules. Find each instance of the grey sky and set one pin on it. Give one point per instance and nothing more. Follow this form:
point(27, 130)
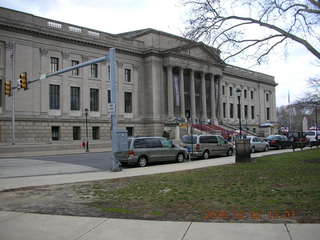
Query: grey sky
point(116, 16)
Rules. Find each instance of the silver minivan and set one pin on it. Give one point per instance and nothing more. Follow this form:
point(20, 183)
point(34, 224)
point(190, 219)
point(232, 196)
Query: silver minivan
point(205, 146)
point(144, 150)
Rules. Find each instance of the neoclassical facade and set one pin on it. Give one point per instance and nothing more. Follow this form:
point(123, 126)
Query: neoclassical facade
point(161, 78)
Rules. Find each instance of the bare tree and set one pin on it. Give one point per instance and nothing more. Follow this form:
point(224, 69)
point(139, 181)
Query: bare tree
point(312, 96)
point(255, 28)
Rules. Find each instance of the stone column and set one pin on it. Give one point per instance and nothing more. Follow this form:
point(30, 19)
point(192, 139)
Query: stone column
point(182, 103)
point(203, 97)
point(213, 99)
point(192, 95)
point(170, 93)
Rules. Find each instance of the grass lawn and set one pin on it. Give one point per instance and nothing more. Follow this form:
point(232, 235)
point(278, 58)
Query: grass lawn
point(283, 187)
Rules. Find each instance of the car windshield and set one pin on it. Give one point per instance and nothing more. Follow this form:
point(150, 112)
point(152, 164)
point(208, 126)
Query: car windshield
point(310, 133)
point(189, 139)
point(273, 137)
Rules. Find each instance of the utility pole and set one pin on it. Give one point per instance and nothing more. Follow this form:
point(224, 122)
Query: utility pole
point(13, 84)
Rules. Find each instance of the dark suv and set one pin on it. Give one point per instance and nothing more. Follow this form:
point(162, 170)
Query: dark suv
point(144, 150)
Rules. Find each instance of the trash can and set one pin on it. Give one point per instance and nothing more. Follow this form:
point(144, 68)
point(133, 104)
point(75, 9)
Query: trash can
point(243, 150)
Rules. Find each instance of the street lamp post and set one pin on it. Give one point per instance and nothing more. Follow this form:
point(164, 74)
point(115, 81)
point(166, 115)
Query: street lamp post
point(238, 91)
point(87, 141)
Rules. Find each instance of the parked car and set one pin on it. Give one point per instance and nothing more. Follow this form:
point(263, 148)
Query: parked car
point(258, 144)
point(298, 139)
point(278, 141)
point(144, 150)
point(206, 145)
point(314, 138)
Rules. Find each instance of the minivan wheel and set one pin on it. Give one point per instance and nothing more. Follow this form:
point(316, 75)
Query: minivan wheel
point(180, 158)
point(206, 155)
point(229, 152)
point(142, 162)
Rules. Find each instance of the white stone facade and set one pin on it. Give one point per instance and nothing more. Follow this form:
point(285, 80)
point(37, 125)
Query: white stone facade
point(159, 65)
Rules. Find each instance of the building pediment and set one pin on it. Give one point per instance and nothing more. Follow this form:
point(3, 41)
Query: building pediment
point(196, 51)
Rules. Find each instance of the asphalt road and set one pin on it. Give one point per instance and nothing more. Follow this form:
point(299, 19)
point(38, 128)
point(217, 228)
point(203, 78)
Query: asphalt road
point(58, 164)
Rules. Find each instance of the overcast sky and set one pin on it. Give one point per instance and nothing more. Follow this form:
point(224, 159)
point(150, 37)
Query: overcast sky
point(116, 16)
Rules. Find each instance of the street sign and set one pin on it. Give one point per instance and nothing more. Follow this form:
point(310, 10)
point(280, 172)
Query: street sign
point(111, 108)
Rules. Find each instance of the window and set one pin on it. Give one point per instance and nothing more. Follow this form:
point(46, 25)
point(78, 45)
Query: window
point(55, 133)
point(254, 130)
point(109, 73)
point(1, 93)
point(224, 109)
point(223, 90)
point(95, 133)
point(231, 110)
point(54, 96)
point(230, 90)
point(94, 70)
point(245, 111)
point(130, 131)
point(75, 98)
point(75, 72)
point(127, 73)
point(252, 112)
point(94, 99)
point(239, 110)
point(208, 139)
point(245, 93)
point(251, 93)
point(54, 64)
point(76, 133)
point(267, 97)
point(268, 113)
point(109, 96)
point(165, 143)
point(128, 102)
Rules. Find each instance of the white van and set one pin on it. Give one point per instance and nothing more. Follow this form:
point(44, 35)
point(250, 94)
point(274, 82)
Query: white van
point(312, 136)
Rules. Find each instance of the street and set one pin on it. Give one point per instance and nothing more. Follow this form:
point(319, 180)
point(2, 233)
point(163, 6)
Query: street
point(58, 164)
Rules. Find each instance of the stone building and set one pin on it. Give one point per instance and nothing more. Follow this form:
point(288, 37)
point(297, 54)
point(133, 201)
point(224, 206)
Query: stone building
point(161, 77)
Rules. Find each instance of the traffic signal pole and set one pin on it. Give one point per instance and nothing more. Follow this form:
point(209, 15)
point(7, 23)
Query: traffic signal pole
point(13, 103)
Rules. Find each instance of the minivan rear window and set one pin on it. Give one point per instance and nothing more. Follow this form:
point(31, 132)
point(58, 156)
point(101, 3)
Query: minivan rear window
point(189, 139)
point(310, 133)
point(208, 139)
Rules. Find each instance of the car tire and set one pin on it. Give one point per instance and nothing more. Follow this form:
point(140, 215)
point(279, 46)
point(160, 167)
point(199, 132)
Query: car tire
point(230, 152)
point(205, 155)
point(253, 150)
point(180, 158)
point(266, 148)
point(143, 161)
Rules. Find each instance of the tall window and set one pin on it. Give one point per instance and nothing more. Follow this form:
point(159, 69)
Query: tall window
point(223, 90)
point(54, 96)
point(251, 93)
point(130, 131)
point(54, 64)
point(245, 93)
point(95, 133)
point(127, 74)
point(1, 93)
point(231, 110)
point(267, 97)
point(94, 99)
point(55, 133)
point(230, 91)
point(224, 109)
point(109, 96)
point(75, 72)
point(128, 102)
point(94, 70)
point(252, 112)
point(238, 110)
point(76, 133)
point(245, 111)
point(75, 98)
point(268, 113)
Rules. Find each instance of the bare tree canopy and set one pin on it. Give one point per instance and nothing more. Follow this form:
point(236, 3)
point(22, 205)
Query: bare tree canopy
point(254, 28)
point(312, 96)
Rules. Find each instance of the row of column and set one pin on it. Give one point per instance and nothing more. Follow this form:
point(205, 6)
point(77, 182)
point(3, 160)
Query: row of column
point(192, 94)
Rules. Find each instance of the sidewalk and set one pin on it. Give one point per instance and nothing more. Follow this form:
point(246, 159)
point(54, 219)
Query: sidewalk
point(26, 226)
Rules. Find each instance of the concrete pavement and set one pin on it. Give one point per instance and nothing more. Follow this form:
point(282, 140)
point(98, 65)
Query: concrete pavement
point(26, 226)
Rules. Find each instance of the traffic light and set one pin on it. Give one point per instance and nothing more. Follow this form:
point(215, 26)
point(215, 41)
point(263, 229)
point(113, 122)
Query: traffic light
point(24, 80)
point(7, 88)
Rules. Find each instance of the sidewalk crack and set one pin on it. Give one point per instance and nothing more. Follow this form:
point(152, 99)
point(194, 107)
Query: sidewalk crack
point(93, 228)
point(288, 231)
point(186, 231)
